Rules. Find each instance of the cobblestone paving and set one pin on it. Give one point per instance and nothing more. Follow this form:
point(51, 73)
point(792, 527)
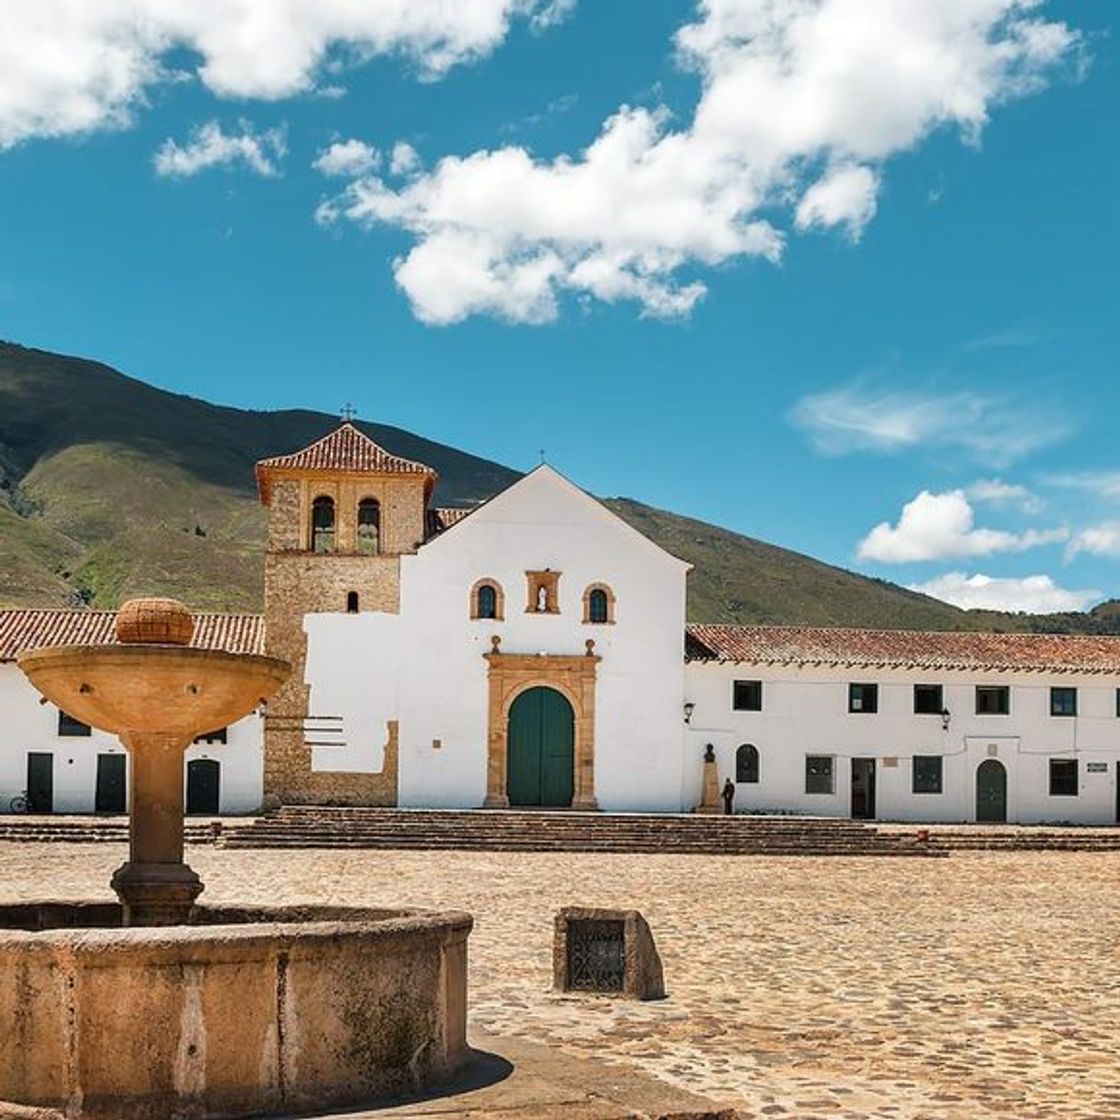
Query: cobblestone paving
point(979, 986)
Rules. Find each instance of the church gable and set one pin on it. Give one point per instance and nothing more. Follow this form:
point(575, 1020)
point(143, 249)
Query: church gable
point(546, 498)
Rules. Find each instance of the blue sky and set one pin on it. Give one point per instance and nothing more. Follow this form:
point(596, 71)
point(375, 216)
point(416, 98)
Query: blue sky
point(838, 275)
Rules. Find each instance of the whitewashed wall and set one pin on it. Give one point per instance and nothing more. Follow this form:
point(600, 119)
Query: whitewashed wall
point(433, 662)
point(28, 725)
point(806, 712)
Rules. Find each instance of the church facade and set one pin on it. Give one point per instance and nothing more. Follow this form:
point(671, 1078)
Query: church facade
point(533, 652)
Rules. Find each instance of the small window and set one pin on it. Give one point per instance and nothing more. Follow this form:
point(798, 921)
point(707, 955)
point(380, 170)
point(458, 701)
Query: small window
point(322, 524)
point(597, 606)
point(818, 773)
point(746, 764)
point(1063, 701)
point(1063, 777)
point(993, 700)
point(929, 700)
point(863, 698)
point(369, 526)
point(487, 601)
point(746, 696)
point(927, 776)
point(70, 727)
point(351, 602)
point(219, 736)
point(1118, 703)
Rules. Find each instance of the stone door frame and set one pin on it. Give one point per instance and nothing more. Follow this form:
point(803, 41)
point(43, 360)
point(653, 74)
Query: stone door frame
point(574, 677)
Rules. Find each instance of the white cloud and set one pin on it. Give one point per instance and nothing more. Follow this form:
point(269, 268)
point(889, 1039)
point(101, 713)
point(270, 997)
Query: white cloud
point(801, 104)
point(348, 157)
point(209, 147)
point(1032, 594)
point(942, 527)
point(860, 417)
point(996, 492)
point(405, 159)
point(1097, 540)
point(1103, 484)
point(70, 67)
point(845, 195)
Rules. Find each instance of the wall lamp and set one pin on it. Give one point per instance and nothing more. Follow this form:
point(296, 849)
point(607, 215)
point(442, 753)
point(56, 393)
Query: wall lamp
point(946, 715)
point(689, 708)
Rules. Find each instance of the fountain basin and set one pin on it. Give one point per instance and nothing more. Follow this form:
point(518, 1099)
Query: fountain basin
point(175, 690)
point(245, 1010)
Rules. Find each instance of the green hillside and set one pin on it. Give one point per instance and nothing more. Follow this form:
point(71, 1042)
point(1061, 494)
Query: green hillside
point(111, 488)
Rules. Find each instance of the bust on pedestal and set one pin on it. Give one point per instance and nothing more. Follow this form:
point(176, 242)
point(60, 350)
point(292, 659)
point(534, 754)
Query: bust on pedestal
point(709, 800)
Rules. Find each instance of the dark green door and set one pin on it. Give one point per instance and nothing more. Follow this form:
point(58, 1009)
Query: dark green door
point(40, 782)
point(541, 749)
point(109, 795)
point(203, 780)
point(991, 791)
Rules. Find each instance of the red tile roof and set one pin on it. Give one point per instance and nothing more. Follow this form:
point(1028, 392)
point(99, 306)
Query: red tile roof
point(902, 649)
point(344, 449)
point(440, 519)
point(32, 629)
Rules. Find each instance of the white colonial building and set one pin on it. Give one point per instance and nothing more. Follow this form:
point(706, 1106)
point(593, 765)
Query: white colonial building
point(534, 652)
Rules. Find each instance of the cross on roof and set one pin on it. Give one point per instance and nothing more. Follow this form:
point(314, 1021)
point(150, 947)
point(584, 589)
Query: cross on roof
point(348, 412)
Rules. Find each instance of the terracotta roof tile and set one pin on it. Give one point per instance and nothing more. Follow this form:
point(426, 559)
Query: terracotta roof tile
point(902, 649)
point(32, 629)
point(440, 519)
point(344, 449)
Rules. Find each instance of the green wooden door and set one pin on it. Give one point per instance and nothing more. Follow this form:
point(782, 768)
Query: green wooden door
point(991, 791)
point(541, 755)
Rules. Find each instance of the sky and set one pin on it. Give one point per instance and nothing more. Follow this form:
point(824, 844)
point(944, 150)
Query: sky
point(837, 274)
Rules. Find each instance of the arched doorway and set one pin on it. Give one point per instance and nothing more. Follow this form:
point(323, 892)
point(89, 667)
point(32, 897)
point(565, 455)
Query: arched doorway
point(991, 791)
point(203, 786)
point(541, 751)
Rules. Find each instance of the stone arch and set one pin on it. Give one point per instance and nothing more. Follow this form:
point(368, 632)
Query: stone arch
point(599, 604)
point(477, 596)
point(573, 677)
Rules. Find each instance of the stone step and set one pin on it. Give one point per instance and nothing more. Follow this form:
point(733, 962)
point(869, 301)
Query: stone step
point(521, 831)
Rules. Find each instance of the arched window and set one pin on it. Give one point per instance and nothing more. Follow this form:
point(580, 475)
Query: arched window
point(322, 524)
point(487, 600)
point(351, 602)
point(746, 763)
point(369, 526)
point(598, 604)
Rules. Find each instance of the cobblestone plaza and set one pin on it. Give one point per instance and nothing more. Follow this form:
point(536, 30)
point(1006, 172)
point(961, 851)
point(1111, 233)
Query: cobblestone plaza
point(982, 985)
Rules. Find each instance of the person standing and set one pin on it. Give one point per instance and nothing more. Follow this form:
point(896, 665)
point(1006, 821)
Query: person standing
point(728, 795)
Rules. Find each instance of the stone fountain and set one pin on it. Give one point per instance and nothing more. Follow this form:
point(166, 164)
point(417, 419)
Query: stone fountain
point(158, 1006)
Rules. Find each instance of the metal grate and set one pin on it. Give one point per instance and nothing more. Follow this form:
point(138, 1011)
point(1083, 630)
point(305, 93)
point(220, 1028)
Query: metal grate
point(595, 955)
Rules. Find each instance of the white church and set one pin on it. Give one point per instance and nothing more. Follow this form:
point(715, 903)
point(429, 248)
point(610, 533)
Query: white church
point(534, 652)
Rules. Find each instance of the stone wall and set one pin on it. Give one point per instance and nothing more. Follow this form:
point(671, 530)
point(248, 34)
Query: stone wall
point(297, 584)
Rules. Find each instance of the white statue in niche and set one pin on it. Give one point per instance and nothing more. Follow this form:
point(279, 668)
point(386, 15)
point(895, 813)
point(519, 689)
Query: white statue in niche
point(542, 599)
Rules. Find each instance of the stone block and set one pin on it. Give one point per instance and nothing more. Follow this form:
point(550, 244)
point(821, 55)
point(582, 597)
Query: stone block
point(606, 952)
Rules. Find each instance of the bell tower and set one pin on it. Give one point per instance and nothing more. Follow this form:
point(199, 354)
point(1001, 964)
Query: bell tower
point(341, 513)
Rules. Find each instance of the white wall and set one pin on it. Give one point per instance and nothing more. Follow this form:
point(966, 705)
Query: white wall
point(805, 711)
point(433, 662)
point(28, 725)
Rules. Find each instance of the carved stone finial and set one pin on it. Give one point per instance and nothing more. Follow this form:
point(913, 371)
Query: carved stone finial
point(590, 644)
point(495, 642)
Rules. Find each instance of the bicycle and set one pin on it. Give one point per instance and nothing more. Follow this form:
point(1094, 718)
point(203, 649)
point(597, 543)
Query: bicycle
point(19, 804)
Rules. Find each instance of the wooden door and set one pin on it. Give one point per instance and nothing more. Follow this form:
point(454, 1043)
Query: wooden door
point(40, 782)
point(541, 749)
point(991, 791)
point(110, 792)
point(203, 786)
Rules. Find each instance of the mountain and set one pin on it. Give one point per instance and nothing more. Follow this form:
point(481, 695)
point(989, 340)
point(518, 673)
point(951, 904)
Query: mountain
point(111, 488)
